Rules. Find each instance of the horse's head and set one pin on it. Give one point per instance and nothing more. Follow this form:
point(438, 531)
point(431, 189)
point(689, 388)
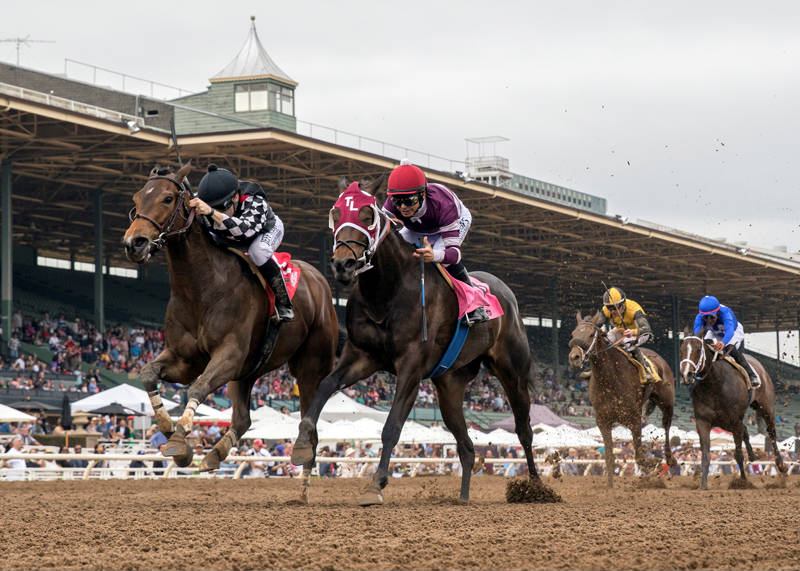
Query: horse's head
point(583, 341)
point(157, 206)
point(357, 224)
point(693, 361)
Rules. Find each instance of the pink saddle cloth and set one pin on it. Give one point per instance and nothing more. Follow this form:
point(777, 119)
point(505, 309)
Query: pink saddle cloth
point(478, 295)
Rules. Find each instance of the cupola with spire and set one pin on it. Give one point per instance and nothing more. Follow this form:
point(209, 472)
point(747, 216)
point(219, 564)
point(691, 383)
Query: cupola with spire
point(251, 88)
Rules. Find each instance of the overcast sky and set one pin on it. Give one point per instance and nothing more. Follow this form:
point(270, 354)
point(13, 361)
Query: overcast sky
point(701, 98)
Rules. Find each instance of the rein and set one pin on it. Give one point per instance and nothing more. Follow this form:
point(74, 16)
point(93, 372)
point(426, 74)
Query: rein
point(586, 353)
point(165, 230)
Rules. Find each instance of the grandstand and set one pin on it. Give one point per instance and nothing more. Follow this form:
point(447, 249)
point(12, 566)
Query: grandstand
point(73, 153)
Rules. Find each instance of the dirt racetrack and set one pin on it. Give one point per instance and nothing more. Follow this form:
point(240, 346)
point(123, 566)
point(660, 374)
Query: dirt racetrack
point(256, 524)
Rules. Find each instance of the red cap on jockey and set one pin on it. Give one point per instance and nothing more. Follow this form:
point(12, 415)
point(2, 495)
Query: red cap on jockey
point(406, 179)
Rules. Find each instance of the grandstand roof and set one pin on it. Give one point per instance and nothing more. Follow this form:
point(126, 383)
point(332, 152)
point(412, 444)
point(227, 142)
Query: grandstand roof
point(63, 151)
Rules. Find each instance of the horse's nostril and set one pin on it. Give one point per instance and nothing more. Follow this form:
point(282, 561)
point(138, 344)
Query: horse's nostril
point(349, 263)
point(139, 242)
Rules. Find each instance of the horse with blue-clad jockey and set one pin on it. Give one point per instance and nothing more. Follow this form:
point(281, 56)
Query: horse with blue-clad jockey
point(724, 383)
point(394, 256)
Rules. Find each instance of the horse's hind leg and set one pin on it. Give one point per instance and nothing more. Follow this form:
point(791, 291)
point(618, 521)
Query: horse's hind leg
point(239, 393)
point(224, 365)
point(737, 452)
point(516, 387)
point(666, 421)
point(751, 454)
point(769, 420)
point(450, 393)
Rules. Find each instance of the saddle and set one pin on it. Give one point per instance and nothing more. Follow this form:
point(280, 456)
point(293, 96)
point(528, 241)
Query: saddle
point(640, 367)
point(741, 371)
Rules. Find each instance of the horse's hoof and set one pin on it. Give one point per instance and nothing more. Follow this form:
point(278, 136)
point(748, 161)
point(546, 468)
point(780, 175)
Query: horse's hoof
point(783, 468)
point(371, 498)
point(184, 460)
point(303, 450)
point(672, 462)
point(463, 501)
point(177, 447)
point(210, 462)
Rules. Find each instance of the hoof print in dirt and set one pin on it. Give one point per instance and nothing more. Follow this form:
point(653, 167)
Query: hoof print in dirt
point(524, 490)
point(739, 484)
point(776, 484)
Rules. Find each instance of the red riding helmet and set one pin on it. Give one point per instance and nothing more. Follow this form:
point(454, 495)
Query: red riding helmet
point(406, 179)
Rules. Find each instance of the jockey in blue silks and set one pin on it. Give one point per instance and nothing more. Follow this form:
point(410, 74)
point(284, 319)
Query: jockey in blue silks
point(719, 324)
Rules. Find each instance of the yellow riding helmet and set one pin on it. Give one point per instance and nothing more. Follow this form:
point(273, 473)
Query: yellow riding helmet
point(614, 297)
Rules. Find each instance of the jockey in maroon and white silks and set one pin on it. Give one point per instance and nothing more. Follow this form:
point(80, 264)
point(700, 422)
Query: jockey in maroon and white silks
point(434, 219)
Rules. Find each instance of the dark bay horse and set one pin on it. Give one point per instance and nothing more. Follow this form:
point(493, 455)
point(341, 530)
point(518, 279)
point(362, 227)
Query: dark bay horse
point(383, 333)
point(616, 393)
point(721, 398)
point(216, 317)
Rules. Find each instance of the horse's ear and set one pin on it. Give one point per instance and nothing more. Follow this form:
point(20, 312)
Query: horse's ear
point(342, 184)
point(184, 171)
point(686, 331)
point(154, 170)
point(376, 186)
point(578, 317)
point(596, 319)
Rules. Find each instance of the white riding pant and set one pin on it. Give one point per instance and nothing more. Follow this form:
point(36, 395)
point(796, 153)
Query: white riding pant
point(439, 245)
point(615, 335)
point(264, 245)
point(736, 340)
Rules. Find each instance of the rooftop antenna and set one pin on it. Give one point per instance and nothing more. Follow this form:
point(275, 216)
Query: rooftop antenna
point(26, 41)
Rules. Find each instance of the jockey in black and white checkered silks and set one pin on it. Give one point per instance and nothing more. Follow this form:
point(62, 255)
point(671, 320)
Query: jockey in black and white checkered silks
point(237, 212)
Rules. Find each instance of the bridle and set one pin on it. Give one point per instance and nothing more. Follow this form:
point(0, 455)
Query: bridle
point(384, 225)
point(166, 230)
point(586, 353)
point(701, 360)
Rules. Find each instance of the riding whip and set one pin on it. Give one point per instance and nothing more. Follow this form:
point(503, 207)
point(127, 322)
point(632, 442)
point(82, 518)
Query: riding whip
point(422, 296)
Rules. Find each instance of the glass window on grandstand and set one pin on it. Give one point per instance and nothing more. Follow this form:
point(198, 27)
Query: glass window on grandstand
point(281, 99)
point(250, 97)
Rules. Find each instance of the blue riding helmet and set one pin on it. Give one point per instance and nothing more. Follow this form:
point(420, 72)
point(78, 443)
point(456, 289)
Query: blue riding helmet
point(708, 305)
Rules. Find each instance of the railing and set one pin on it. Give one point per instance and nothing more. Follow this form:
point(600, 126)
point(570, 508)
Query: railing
point(173, 471)
point(68, 104)
point(125, 80)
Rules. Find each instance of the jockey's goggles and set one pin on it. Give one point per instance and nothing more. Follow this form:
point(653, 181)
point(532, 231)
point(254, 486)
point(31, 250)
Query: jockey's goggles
point(410, 200)
point(616, 307)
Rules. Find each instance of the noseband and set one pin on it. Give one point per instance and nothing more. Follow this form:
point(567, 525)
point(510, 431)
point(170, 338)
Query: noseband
point(165, 230)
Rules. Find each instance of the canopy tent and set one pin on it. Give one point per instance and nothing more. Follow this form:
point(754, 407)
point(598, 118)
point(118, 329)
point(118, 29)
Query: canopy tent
point(503, 437)
point(342, 407)
point(539, 414)
point(563, 439)
point(124, 394)
point(281, 427)
point(618, 434)
point(202, 410)
point(8, 414)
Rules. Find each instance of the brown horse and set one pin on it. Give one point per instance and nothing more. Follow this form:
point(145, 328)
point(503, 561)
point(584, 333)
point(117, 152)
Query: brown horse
point(720, 397)
point(616, 393)
point(216, 321)
point(383, 326)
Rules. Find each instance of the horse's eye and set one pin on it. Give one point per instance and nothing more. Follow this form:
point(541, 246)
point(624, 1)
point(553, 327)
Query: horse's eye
point(168, 200)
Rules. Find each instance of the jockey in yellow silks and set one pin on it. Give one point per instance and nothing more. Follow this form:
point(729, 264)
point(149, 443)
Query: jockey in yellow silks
point(628, 325)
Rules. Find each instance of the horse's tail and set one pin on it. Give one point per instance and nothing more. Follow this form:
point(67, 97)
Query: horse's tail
point(342, 340)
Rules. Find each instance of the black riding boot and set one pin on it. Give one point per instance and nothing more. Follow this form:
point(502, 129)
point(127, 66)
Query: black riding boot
point(283, 305)
point(738, 356)
point(459, 272)
point(639, 356)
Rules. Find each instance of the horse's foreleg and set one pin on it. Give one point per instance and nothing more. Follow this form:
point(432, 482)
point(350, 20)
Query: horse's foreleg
point(450, 393)
point(608, 446)
point(404, 398)
point(638, 449)
point(223, 366)
point(751, 454)
point(519, 398)
point(240, 423)
point(666, 422)
point(150, 376)
point(704, 432)
point(353, 366)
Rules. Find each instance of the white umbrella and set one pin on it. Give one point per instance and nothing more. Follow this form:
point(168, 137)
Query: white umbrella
point(342, 407)
point(282, 427)
point(8, 414)
point(415, 432)
point(618, 434)
point(480, 438)
point(503, 437)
